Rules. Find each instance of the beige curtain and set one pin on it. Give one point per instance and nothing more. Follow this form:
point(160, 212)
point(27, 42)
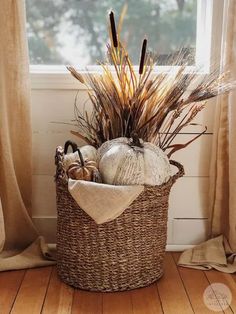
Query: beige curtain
point(223, 171)
point(21, 245)
point(220, 251)
point(2, 231)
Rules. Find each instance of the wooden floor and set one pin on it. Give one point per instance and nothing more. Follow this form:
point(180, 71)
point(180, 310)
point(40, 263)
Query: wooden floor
point(179, 291)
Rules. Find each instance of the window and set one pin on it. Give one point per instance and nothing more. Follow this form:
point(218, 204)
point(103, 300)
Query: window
point(74, 32)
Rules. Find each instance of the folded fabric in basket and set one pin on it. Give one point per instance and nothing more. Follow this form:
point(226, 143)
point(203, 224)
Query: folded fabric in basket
point(103, 202)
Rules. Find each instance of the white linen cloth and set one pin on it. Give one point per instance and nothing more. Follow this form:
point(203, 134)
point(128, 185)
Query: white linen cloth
point(103, 202)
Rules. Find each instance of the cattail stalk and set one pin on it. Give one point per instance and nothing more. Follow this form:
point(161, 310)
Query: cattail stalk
point(143, 55)
point(113, 30)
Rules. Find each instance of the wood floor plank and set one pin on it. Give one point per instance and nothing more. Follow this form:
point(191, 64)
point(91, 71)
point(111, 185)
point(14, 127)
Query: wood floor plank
point(146, 300)
point(215, 276)
point(32, 292)
point(195, 283)
point(85, 302)
point(10, 282)
point(59, 296)
point(117, 303)
point(179, 291)
point(171, 290)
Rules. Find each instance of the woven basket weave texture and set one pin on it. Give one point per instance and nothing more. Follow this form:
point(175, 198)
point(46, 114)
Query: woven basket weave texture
point(122, 254)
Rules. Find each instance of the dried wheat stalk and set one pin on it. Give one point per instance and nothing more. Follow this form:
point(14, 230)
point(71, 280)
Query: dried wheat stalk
point(126, 102)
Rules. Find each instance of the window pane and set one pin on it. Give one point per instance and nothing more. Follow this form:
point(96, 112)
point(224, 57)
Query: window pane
point(75, 31)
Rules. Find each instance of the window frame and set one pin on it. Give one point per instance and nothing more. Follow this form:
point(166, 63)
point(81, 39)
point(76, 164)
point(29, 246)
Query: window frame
point(209, 23)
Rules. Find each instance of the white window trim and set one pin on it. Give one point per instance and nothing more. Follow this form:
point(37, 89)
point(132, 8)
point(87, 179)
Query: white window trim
point(209, 25)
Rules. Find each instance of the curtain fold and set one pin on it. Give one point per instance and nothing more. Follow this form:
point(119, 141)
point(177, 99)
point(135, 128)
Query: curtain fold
point(220, 251)
point(2, 231)
point(17, 231)
point(223, 171)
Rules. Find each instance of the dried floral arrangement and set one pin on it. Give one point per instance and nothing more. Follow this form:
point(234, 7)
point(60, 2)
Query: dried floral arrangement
point(152, 106)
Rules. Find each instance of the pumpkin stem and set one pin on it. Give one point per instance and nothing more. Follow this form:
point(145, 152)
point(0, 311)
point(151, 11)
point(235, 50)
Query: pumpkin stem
point(135, 141)
point(80, 157)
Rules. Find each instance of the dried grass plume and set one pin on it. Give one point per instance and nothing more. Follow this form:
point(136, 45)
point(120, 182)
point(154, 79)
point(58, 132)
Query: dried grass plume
point(155, 106)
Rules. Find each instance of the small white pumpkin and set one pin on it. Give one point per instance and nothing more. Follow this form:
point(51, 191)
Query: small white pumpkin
point(88, 152)
point(124, 161)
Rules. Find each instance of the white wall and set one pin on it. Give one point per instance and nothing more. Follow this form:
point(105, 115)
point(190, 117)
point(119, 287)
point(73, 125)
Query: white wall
point(188, 213)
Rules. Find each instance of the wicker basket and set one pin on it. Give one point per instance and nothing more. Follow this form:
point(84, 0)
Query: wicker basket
point(123, 254)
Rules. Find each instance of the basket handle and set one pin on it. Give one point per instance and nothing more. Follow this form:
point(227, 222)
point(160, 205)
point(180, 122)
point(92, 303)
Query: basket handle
point(59, 158)
point(72, 144)
point(180, 172)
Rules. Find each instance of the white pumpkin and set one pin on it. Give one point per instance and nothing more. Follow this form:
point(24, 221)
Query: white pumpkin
point(88, 152)
point(124, 161)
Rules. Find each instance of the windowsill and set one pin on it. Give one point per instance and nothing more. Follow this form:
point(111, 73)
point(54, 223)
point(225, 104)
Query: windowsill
point(58, 77)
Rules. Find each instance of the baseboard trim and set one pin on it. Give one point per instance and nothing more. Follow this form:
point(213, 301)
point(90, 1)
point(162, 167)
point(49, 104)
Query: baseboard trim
point(178, 248)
